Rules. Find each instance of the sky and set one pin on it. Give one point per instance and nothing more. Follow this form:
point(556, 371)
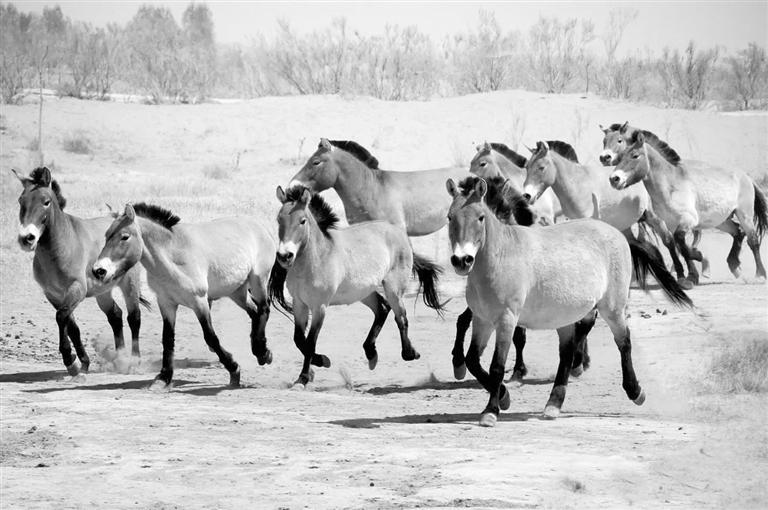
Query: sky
point(731, 24)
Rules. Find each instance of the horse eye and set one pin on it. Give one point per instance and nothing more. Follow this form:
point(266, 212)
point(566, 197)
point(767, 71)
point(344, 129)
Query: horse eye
point(316, 162)
point(303, 221)
point(449, 219)
point(125, 237)
point(46, 203)
point(483, 164)
point(635, 156)
point(620, 141)
point(481, 218)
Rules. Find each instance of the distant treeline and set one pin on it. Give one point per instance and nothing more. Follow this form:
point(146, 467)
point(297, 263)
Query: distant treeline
point(152, 55)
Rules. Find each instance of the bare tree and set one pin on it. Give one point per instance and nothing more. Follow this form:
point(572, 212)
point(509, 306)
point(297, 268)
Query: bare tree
point(687, 76)
point(750, 74)
point(554, 58)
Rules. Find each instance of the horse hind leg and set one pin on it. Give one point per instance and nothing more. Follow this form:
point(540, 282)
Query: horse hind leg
point(257, 308)
point(380, 309)
point(731, 227)
point(394, 298)
point(204, 317)
point(567, 337)
point(614, 316)
point(753, 241)
point(581, 359)
point(519, 338)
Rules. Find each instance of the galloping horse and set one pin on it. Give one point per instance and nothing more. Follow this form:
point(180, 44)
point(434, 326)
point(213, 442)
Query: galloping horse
point(545, 278)
point(192, 265)
point(65, 247)
point(327, 266)
point(696, 195)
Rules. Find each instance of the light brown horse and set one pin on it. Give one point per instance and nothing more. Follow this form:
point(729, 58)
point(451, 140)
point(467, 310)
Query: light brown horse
point(696, 195)
point(192, 265)
point(544, 278)
point(65, 248)
point(327, 266)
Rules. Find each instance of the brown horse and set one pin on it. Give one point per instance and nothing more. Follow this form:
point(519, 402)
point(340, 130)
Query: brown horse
point(65, 249)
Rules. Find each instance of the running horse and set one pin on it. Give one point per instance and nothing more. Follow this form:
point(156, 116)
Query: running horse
point(193, 264)
point(546, 278)
point(66, 247)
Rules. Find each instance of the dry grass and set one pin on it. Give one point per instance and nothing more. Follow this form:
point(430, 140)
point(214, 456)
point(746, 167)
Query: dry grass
point(741, 368)
point(217, 172)
point(77, 143)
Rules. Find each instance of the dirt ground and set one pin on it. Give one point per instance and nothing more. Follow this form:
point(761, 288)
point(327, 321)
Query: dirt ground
point(404, 435)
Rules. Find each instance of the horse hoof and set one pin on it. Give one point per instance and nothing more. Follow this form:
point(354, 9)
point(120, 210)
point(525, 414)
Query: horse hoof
point(86, 365)
point(551, 412)
point(74, 368)
point(298, 386)
point(265, 359)
point(577, 371)
point(325, 361)
point(372, 362)
point(488, 420)
point(685, 283)
point(504, 401)
point(736, 272)
point(640, 398)
point(234, 378)
point(460, 372)
point(410, 355)
point(705, 268)
point(79, 378)
point(158, 386)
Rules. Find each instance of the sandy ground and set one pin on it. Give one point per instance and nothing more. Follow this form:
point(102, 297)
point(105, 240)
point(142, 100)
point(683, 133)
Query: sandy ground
point(404, 435)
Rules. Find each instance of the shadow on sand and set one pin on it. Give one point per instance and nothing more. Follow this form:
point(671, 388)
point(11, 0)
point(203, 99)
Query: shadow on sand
point(125, 385)
point(451, 385)
point(33, 377)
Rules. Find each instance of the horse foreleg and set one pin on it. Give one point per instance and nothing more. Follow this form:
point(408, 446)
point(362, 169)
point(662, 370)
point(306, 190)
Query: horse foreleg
point(310, 357)
point(68, 330)
point(462, 325)
point(380, 309)
point(499, 395)
point(114, 317)
point(520, 370)
point(685, 251)
point(168, 314)
point(667, 238)
point(567, 337)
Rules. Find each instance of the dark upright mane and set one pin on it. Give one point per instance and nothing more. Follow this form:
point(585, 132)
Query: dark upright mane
point(504, 201)
point(566, 150)
point(36, 176)
point(657, 143)
point(357, 151)
point(514, 157)
point(157, 214)
point(322, 211)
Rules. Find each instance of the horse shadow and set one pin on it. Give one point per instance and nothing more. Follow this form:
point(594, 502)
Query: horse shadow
point(143, 384)
point(33, 377)
point(395, 389)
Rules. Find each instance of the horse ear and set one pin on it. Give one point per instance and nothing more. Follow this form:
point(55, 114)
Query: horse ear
point(45, 177)
point(325, 145)
point(487, 146)
point(129, 212)
point(542, 147)
point(25, 181)
point(305, 197)
point(623, 128)
point(640, 139)
point(451, 187)
point(280, 194)
point(112, 211)
point(533, 151)
point(481, 188)
point(604, 130)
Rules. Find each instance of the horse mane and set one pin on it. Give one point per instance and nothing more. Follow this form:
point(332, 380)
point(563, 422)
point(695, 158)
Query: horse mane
point(157, 214)
point(657, 143)
point(357, 151)
point(566, 150)
point(514, 157)
point(36, 177)
point(322, 211)
point(504, 201)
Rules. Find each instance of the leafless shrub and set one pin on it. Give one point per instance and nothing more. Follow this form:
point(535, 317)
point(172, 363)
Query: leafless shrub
point(749, 77)
point(77, 143)
point(687, 76)
point(742, 367)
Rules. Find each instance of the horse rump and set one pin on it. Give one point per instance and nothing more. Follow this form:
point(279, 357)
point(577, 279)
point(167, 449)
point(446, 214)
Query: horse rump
point(646, 258)
point(428, 274)
point(761, 212)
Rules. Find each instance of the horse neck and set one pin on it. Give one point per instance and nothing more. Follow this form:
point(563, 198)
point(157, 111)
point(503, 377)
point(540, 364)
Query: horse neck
point(499, 237)
point(58, 237)
point(316, 250)
point(660, 173)
point(573, 186)
point(358, 186)
point(510, 171)
point(155, 240)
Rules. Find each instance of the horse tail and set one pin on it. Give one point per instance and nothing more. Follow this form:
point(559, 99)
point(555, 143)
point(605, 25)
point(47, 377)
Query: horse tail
point(276, 287)
point(646, 258)
point(146, 303)
point(428, 273)
point(761, 212)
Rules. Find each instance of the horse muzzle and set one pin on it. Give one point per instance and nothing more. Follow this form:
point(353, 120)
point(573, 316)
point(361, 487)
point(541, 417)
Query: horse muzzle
point(607, 158)
point(462, 264)
point(286, 258)
point(617, 180)
point(28, 242)
point(103, 270)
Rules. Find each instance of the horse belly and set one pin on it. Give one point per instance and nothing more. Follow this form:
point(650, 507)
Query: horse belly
point(547, 313)
point(225, 278)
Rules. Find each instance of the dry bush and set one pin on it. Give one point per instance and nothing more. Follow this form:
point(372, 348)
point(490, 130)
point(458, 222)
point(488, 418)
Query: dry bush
point(76, 143)
point(741, 368)
point(217, 172)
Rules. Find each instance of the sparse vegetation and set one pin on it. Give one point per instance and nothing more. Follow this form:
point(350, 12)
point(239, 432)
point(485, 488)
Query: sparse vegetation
point(742, 367)
point(217, 172)
point(77, 143)
point(574, 485)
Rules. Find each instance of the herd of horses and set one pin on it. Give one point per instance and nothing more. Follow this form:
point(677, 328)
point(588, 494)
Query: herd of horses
point(525, 267)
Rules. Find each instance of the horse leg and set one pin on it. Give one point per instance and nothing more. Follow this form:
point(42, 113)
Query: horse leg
point(394, 296)
point(258, 322)
point(114, 317)
point(203, 313)
point(581, 360)
point(618, 326)
point(68, 331)
point(131, 289)
point(667, 239)
point(499, 395)
point(567, 336)
point(685, 251)
point(380, 309)
point(518, 339)
point(310, 357)
point(168, 313)
point(753, 241)
point(462, 325)
point(731, 227)
point(481, 333)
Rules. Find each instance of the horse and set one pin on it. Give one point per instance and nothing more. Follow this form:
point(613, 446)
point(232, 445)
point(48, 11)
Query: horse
point(617, 140)
point(545, 278)
point(66, 247)
point(496, 159)
point(192, 265)
point(327, 266)
point(696, 195)
point(502, 200)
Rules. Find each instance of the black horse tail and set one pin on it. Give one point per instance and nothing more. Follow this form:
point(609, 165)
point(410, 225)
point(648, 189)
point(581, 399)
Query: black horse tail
point(276, 287)
point(146, 303)
point(646, 258)
point(428, 273)
point(761, 212)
